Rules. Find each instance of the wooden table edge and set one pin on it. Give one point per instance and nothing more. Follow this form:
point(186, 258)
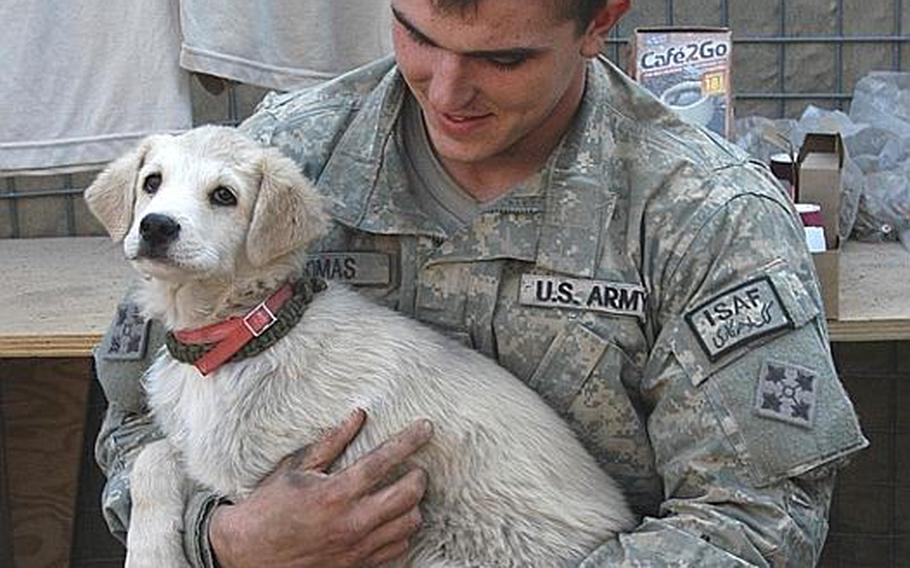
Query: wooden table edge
point(62, 345)
point(81, 344)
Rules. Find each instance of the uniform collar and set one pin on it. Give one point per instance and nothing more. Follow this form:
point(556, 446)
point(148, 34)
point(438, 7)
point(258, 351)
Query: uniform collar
point(559, 229)
point(365, 179)
point(579, 205)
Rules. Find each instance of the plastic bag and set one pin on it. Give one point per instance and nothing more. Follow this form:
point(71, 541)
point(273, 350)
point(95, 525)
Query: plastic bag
point(884, 213)
point(882, 98)
point(881, 102)
point(763, 137)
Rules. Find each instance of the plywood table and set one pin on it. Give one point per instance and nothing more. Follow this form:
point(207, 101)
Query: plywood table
point(58, 295)
point(874, 293)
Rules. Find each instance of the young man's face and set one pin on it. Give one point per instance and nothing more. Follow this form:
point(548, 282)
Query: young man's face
point(504, 80)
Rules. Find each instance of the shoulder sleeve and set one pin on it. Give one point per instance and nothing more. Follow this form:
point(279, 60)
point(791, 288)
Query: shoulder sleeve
point(749, 418)
point(127, 349)
point(305, 125)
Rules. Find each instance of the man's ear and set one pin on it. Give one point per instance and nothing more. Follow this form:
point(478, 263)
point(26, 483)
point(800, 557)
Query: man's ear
point(112, 195)
point(288, 213)
point(602, 22)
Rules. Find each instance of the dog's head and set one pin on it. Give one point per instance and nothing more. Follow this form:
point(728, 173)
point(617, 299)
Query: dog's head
point(195, 205)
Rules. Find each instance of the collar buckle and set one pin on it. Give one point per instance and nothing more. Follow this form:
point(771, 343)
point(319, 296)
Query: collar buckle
point(259, 320)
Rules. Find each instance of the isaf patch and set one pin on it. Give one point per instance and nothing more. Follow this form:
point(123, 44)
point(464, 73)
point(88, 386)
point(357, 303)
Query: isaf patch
point(787, 393)
point(738, 316)
point(129, 336)
point(617, 298)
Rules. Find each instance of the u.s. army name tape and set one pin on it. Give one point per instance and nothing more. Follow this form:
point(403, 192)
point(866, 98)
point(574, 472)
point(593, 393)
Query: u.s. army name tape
point(619, 298)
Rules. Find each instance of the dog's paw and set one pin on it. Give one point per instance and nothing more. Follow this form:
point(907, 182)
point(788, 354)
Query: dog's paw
point(139, 556)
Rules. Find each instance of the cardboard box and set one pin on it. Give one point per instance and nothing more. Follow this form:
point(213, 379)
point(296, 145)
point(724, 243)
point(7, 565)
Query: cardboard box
point(819, 180)
point(688, 69)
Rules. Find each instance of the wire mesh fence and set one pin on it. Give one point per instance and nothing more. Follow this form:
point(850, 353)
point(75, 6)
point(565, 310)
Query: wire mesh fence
point(789, 53)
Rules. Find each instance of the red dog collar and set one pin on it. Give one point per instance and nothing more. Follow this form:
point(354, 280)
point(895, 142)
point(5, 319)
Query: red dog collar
point(231, 335)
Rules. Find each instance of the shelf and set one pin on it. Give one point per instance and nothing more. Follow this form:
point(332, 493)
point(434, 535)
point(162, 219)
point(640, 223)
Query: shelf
point(58, 295)
point(874, 299)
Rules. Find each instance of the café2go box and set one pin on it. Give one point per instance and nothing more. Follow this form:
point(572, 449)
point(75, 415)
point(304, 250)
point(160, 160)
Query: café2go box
point(688, 69)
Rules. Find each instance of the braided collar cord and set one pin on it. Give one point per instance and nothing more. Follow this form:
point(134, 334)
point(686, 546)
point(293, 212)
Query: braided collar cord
point(286, 318)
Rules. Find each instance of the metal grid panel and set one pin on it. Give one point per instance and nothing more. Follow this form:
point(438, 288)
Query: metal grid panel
point(786, 28)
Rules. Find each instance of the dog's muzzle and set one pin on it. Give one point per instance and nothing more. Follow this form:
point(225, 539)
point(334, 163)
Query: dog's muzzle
point(157, 232)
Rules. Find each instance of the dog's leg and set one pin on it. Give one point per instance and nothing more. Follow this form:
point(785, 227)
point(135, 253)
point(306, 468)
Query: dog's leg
point(157, 487)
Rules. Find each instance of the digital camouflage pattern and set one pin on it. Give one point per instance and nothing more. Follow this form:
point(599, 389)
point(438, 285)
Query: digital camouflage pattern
point(664, 273)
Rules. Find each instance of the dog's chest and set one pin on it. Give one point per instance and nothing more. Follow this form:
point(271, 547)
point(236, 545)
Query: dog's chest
point(222, 428)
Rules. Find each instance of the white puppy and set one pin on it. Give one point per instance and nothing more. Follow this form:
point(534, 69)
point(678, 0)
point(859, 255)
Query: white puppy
point(215, 224)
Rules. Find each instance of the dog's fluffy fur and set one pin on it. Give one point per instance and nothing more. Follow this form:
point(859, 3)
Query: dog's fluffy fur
point(509, 485)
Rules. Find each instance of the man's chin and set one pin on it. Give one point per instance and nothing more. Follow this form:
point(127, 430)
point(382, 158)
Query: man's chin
point(472, 150)
point(453, 151)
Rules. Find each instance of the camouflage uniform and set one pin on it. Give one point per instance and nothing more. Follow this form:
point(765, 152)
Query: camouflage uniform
point(656, 291)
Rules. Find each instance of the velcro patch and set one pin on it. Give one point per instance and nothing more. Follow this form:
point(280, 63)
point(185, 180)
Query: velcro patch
point(129, 336)
point(361, 268)
point(786, 392)
point(577, 294)
point(738, 316)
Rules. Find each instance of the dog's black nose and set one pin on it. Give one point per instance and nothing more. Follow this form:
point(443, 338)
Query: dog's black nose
point(157, 229)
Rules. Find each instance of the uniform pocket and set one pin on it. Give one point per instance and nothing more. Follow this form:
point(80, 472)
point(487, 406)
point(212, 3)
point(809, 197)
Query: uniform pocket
point(567, 364)
point(790, 303)
point(583, 376)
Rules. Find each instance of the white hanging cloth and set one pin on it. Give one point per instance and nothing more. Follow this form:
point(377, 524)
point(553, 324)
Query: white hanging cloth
point(84, 80)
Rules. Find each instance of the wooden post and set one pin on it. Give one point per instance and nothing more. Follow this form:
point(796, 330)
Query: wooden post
point(6, 538)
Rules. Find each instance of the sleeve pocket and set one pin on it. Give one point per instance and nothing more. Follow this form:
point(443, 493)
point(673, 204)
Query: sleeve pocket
point(120, 376)
point(771, 443)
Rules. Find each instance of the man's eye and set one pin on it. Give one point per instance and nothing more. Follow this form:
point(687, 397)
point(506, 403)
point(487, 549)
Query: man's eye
point(223, 196)
point(151, 183)
point(417, 38)
point(507, 61)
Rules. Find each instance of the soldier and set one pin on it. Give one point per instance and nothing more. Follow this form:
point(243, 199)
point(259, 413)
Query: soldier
point(501, 181)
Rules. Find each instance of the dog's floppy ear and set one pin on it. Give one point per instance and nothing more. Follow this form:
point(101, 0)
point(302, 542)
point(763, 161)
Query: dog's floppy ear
point(288, 213)
point(111, 196)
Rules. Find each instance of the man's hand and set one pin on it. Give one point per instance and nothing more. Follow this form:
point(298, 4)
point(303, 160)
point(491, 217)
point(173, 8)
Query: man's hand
point(302, 516)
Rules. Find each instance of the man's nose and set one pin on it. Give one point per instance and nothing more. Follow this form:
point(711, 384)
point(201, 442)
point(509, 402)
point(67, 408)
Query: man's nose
point(451, 87)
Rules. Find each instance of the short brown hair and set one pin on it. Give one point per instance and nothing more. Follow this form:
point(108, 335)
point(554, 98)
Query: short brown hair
point(581, 11)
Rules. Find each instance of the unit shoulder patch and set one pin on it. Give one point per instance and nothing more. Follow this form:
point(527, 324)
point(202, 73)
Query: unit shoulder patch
point(362, 268)
point(128, 338)
point(786, 392)
point(618, 298)
point(738, 316)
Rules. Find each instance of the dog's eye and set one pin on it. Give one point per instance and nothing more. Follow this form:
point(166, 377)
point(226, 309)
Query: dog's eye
point(152, 183)
point(223, 196)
